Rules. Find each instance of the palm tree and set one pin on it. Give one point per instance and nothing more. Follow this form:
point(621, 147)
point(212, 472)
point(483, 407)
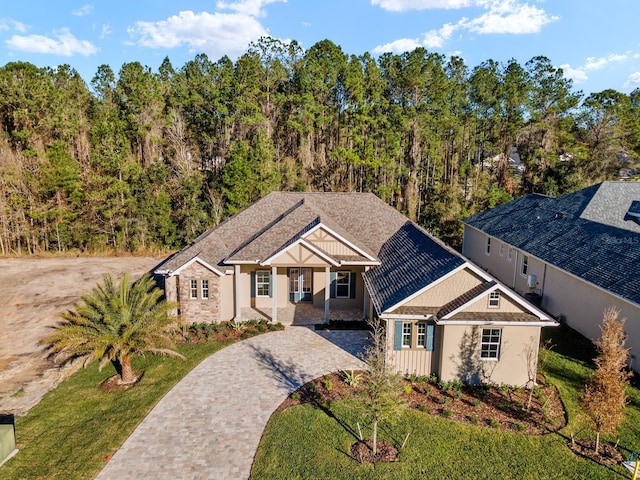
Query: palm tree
point(115, 322)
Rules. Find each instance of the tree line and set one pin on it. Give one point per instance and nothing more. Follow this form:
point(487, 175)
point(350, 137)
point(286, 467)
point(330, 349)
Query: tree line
point(143, 159)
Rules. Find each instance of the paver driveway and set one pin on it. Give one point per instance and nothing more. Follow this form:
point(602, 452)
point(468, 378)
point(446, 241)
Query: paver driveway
point(209, 425)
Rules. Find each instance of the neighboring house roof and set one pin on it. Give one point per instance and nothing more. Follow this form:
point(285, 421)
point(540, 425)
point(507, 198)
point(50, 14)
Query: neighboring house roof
point(588, 233)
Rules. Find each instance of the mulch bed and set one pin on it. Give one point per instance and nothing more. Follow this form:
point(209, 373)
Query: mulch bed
point(363, 452)
point(607, 454)
point(112, 384)
point(488, 406)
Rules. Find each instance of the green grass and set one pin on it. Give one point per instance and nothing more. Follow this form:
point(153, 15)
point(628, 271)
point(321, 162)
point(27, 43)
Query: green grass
point(307, 442)
point(71, 431)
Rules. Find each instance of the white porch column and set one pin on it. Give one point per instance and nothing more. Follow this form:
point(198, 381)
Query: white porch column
point(365, 296)
point(327, 292)
point(274, 294)
point(236, 293)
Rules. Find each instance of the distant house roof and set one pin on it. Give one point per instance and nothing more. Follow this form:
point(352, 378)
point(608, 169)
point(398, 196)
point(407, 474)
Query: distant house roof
point(587, 233)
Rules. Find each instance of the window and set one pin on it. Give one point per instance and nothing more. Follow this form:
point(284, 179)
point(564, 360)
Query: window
point(421, 338)
point(490, 346)
point(204, 289)
point(406, 335)
point(193, 289)
point(263, 283)
point(494, 300)
point(510, 254)
point(343, 285)
point(525, 265)
point(488, 247)
point(502, 249)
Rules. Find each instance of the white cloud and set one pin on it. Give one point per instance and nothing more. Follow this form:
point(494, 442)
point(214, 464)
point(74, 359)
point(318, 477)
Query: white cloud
point(578, 75)
point(64, 44)
point(633, 81)
point(405, 5)
point(594, 63)
point(8, 24)
point(501, 17)
point(83, 10)
point(398, 46)
point(509, 16)
point(216, 34)
point(437, 38)
point(251, 8)
point(105, 31)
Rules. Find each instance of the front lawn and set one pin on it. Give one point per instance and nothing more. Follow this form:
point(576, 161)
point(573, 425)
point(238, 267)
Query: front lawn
point(76, 428)
point(314, 440)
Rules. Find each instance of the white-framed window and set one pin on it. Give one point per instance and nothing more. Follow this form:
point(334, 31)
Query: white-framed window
point(490, 345)
point(524, 267)
point(406, 335)
point(204, 289)
point(263, 283)
point(193, 289)
point(502, 249)
point(487, 249)
point(510, 254)
point(421, 335)
point(343, 285)
point(494, 299)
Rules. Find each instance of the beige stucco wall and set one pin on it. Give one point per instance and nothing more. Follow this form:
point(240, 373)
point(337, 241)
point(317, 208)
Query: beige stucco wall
point(582, 305)
point(505, 270)
point(446, 290)
point(506, 305)
point(198, 310)
point(460, 355)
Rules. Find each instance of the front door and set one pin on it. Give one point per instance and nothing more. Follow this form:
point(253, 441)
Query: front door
point(300, 288)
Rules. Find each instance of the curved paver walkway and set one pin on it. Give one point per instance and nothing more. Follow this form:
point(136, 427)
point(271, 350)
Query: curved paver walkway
point(209, 425)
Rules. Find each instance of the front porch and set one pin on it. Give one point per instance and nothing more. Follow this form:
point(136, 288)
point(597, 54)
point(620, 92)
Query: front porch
point(301, 314)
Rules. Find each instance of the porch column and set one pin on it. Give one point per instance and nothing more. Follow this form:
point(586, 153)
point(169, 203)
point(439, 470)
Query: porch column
point(274, 294)
point(236, 293)
point(365, 296)
point(327, 292)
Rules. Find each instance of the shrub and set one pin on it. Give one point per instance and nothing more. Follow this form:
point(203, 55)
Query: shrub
point(477, 403)
point(423, 408)
point(518, 427)
point(444, 400)
point(494, 423)
point(328, 383)
point(473, 419)
point(407, 389)
point(446, 413)
point(351, 378)
point(295, 396)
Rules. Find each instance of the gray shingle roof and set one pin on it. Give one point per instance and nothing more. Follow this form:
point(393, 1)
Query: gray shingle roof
point(280, 218)
point(583, 233)
point(411, 260)
point(464, 298)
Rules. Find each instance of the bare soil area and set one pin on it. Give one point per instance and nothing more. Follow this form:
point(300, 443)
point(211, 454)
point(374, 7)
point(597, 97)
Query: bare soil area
point(33, 292)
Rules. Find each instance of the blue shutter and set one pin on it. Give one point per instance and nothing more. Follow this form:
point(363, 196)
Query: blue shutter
point(270, 285)
point(332, 289)
point(352, 285)
point(253, 284)
point(397, 335)
point(430, 334)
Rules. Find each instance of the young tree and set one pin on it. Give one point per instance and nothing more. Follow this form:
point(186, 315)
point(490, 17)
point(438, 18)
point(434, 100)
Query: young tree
point(381, 397)
point(605, 397)
point(115, 322)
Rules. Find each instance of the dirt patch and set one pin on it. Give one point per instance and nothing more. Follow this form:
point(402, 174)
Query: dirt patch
point(607, 454)
point(34, 292)
point(363, 452)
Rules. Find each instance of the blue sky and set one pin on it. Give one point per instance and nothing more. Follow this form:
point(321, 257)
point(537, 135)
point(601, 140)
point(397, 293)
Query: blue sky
point(597, 43)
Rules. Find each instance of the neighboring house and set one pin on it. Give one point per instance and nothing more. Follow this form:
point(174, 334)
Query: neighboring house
point(309, 257)
point(579, 254)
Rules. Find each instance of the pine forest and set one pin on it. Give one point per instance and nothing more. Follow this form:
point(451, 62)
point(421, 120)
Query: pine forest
point(143, 160)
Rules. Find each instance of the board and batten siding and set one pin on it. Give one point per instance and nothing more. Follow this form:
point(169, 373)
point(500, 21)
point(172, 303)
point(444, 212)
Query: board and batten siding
point(328, 243)
point(407, 361)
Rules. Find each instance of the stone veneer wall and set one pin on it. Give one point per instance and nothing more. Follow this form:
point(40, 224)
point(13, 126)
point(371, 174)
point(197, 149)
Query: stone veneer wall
point(199, 310)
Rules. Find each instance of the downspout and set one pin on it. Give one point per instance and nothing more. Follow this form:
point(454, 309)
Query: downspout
point(515, 271)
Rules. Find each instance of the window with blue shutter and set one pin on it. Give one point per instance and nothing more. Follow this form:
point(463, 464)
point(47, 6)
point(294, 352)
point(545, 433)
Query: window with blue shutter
point(397, 335)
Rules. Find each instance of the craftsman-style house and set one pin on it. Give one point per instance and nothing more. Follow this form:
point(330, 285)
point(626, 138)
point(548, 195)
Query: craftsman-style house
point(310, 257)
